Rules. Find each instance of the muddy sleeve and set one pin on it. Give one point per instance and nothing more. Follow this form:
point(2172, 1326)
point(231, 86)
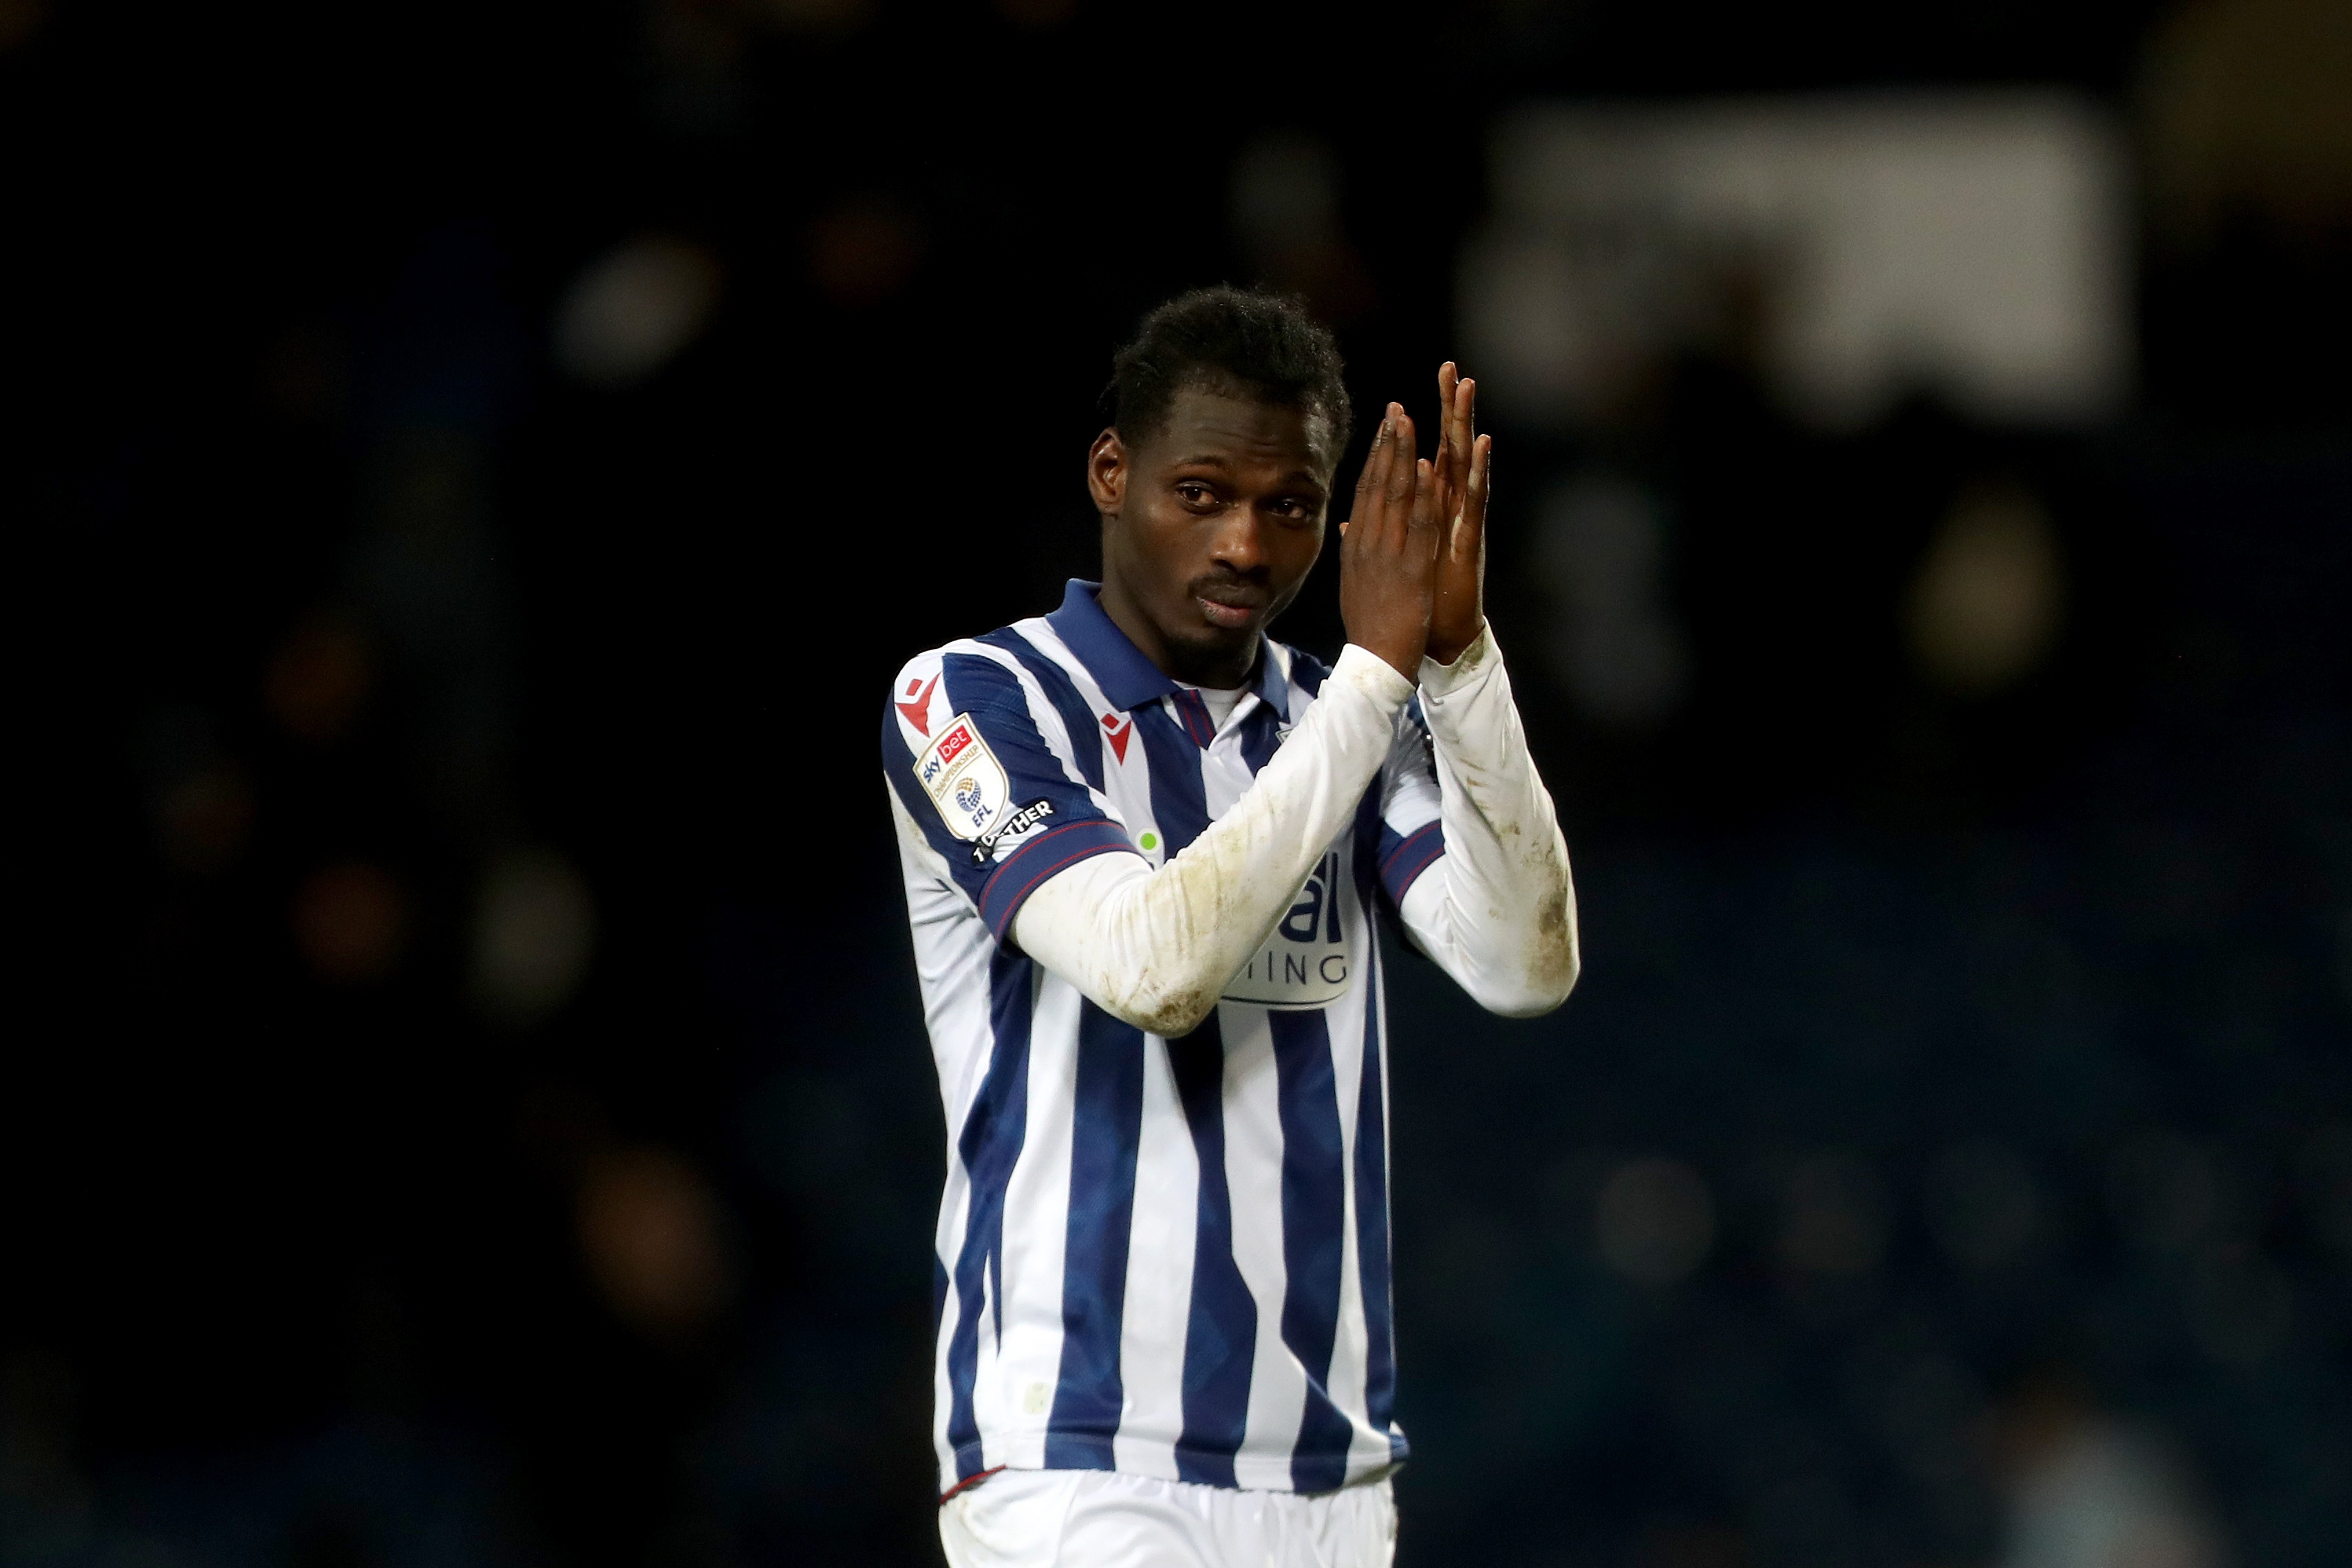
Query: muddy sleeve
point(1156, 948)
point(1489, 896)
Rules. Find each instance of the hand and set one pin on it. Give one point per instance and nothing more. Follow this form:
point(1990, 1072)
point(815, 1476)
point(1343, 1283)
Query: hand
point(1388, 549)
point(1459, 611)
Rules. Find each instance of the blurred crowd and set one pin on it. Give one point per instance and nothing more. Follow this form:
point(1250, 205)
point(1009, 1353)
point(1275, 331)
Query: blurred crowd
point(474, 466)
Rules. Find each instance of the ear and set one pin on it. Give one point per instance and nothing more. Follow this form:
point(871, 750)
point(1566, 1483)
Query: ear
point(1106, 472)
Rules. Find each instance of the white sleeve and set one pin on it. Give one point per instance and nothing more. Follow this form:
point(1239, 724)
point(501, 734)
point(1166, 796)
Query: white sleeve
point(1498, 909)
point(1155, 948)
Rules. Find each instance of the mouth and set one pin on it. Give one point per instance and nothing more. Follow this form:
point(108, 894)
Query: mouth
point(1228, 605)
point(1231, 617)
point(1227, 611)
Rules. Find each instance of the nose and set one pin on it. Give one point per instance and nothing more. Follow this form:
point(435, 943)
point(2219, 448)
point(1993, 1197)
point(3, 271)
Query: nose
point(1238, 544)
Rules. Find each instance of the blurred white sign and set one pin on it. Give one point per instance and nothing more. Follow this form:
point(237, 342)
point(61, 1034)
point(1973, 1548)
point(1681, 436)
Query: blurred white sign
point(1974, 247)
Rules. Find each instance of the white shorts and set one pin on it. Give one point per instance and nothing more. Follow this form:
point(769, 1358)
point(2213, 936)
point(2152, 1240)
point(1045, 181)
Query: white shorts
point(1099, 1519)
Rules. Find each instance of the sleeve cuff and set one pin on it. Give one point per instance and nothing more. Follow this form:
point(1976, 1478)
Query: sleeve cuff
point(1026, 870)
point(1439, 681)
point(1366, 672)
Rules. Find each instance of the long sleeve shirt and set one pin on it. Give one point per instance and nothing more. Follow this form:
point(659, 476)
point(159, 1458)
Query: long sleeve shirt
point(1146, 934)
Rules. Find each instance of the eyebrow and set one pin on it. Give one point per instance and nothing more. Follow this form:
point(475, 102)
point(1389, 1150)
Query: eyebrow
point(1211, 460)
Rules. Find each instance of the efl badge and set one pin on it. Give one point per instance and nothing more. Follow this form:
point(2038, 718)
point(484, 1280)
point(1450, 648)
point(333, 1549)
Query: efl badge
point(963, 778)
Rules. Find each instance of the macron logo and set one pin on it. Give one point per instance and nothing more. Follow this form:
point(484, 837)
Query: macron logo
point(916, 708)
point(1119, 729)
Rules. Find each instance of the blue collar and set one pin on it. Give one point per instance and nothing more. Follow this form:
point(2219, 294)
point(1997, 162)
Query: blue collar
point(1128, 679)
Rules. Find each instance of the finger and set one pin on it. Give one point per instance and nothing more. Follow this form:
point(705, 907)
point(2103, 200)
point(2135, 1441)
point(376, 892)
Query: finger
point(1398, 491)
point(1445, 382)
point(1455, 440)
point(1367, 489)
point(1421, 525)
point(1470, 529)
point(1465, 423)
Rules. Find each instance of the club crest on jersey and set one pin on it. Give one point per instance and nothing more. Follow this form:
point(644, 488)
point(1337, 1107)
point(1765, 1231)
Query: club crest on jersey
point(963, 778)
point(1305, 962)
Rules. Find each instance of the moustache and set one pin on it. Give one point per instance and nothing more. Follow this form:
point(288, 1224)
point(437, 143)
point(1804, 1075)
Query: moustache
point(1239, 589)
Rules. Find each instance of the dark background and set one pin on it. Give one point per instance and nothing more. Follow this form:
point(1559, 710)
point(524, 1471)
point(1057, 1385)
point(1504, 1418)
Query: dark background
point(341, 598)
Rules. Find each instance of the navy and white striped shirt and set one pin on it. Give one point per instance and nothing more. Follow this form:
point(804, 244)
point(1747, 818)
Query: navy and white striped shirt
point(1163, 1257)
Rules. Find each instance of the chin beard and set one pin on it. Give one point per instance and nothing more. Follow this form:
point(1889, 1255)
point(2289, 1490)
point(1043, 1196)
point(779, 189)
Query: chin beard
point(1214, 657)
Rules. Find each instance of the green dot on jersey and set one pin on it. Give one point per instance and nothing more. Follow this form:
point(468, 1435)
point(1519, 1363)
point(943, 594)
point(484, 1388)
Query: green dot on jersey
point(1151, 841)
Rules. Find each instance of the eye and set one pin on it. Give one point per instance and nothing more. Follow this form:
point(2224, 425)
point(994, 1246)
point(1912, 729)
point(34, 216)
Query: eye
point(1196, 494)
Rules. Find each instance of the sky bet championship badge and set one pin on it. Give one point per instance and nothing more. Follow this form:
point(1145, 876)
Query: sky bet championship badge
point(968, 784)
point(963, 778)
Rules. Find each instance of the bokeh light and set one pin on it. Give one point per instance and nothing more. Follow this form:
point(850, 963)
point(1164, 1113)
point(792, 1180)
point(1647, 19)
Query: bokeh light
point(865, 250)
point(351, 921)
point(321, 676)
point(1835, 1215)
point(1655, 1221)
point(534, 932)
point(1989, 598)
point(635, 309)
point(651, 1232)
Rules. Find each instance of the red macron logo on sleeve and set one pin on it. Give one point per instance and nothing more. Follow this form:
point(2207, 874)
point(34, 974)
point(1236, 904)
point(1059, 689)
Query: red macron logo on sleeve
point(916, 708)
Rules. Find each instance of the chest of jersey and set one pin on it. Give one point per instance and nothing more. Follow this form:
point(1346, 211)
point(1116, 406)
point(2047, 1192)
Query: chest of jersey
point(1309, 957)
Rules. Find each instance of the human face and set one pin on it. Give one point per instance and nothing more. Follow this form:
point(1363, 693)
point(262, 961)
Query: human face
point(1210, 525)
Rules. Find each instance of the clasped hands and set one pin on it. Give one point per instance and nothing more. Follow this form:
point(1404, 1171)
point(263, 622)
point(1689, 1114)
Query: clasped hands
point(1413, 555)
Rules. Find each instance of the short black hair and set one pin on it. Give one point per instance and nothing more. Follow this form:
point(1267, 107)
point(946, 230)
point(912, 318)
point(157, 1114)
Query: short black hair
point(1246, 341)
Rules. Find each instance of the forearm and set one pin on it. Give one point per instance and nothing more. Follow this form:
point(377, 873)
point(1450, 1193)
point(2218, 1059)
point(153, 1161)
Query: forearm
point(1498, 911)
point(1156, 948)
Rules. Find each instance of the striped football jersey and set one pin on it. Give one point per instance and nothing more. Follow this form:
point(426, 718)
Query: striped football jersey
point(1166, 1257)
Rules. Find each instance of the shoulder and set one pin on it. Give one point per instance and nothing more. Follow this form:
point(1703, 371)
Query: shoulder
point(988, 678)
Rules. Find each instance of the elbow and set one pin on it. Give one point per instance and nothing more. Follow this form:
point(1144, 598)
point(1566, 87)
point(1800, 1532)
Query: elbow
point(1546, 970)
point(1166, 1020)
point(1552, 984)
point(1531, 993)
point(1169, 1012)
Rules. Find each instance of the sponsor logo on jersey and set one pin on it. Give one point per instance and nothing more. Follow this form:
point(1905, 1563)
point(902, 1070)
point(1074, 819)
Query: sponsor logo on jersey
point(1009, 833)
point(963, 778)
point(1306, 962)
